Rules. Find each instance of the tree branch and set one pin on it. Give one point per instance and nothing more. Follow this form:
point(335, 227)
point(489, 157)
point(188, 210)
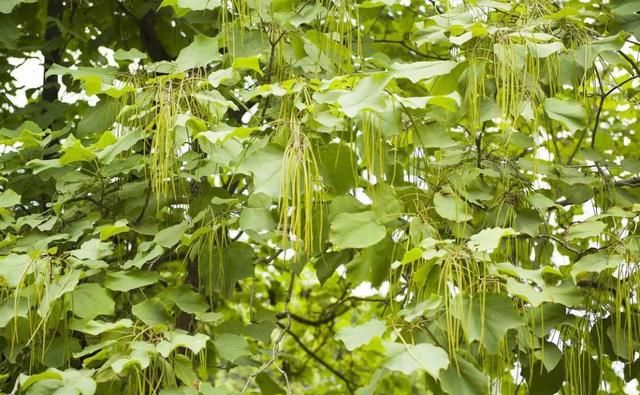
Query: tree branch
point(147, 32)
point(320, 321)
point(632, 182)
point(321, 361)
point(633, 64)
point(409, 47)
point(602, 100)
point(52, 49)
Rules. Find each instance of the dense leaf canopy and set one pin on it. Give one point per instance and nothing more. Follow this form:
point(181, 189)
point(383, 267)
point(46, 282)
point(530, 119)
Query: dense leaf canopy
point(319, 197)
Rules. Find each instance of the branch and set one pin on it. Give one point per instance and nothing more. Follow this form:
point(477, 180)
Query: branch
point(147, 32)
point(594, 131)
point(275, 352)
point(633, 64)
point(322, 362)
point(602, 99)
point(88, 198)
point(270, 258)
point(51, 50)
point(564, 244)
point(321, 321)
point(269, 73)
point(410, 48)
point(632, 182)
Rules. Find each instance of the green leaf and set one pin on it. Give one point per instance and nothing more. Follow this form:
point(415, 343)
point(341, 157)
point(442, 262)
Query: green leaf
point(627, 15)
point(260, 331)
point(327, 264)
point(258, 220)
point(463, 378)
point(486, 319)
point(130, 54)
point(222, 76)
point(544, 381)
point(183, 6)
point(541, 202)
point(200, 53)
point(266, 167)
point(6, 6)
point(151, 312)
point(412, 255)
point(56, 289)
point(408, 358)
point(373, 263)
point(13, 308)
point(92, 250)
point(8, 198)
point(28, 381)
point(59, 350)
point(140, 356)
point(527, 292)
point(248, 63)
point(168, 237)
point(100, 118)
point(585, 230)
point(587, 54)
point(125, 281)
point(452, 208)
point(337, 165)
point(596, 263)
point(231, 347)
point(74, 151)
point(183, 367)
point(544, 50)
point(268, 386)
point(118, 227)
point(386, 206)
point(188, 300)
point(78, 382)
point(260, 200)
point(565, 293)
point(108, 154)
point(91, 300)
point(368, 94)
point(356, 336)
point(356, 230)
point(95, 327)
point(179, 391)
point(173, 340)
point(225, 269)
point(570, 113)
point(488, 240)
point(208, 389)
point(430, 305)
point(418, 71)
point(14, 267)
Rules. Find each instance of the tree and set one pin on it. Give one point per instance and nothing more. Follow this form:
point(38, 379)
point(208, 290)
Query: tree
point(331, 197)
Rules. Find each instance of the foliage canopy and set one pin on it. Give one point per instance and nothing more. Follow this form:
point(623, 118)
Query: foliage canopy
point(320, 197)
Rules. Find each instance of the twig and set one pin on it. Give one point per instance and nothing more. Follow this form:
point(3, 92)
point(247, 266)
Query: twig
point(276, 345)
point(629, 182)
point(322, 362)
point(602, 99)
point(321, 321)
point(269, 73)
point(145, 205)
point(410, 48)
point(594, 131)
point(479, 146)
point(562, 243)
point(633, 64)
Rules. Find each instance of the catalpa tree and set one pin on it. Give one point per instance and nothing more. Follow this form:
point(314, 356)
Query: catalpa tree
point(319, 197)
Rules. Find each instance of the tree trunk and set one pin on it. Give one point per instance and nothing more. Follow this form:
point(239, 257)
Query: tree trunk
point(52, 49)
